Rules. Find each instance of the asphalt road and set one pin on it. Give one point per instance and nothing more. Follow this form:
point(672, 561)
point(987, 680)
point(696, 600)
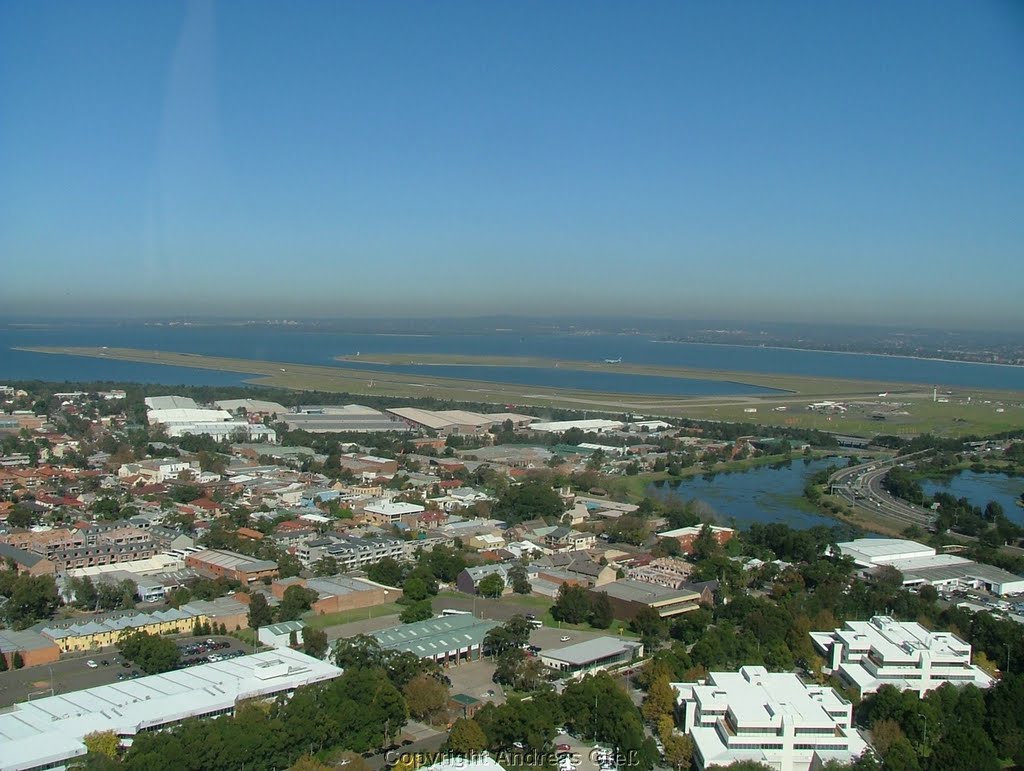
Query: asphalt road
point(73, 674)
point(866, 480)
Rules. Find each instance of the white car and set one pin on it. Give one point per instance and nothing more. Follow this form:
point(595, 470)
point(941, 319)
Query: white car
point(91, 664)
point(564, 638)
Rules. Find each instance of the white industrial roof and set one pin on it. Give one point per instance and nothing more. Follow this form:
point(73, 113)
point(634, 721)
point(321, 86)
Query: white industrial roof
point(465, 418)
point(51, 729)
point(189, 415)
point(583, 425)
point(881, 551)
point(426, 418)
point(251, 405)
point(170, 402)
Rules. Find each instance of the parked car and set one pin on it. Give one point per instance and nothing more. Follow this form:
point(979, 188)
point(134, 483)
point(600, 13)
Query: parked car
point(91, 664)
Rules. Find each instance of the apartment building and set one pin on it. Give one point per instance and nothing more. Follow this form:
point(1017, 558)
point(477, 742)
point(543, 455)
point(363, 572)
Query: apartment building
point(869, 654)
point(663, 571)
point(103, 631)
point(386, 513)
point(102, 553)
point(351, 552)
point(770, 718)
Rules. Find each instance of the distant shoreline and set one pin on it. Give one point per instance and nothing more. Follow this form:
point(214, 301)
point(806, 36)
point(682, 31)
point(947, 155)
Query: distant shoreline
point(844, 353)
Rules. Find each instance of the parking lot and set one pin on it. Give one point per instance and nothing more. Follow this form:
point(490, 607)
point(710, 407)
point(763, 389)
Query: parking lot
point(474, 678)
point(550, 638)
point(73, 674)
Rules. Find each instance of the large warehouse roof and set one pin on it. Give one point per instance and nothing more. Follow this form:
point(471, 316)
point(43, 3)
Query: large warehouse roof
point(171, 403)
point(49, 730)
point(251, 405)
point(882, 551)
point(188, 415)
point(425, 418)
point(436, 636)
point(596, 426)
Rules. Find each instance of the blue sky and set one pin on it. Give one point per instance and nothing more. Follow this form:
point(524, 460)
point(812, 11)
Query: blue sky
point(805, 161)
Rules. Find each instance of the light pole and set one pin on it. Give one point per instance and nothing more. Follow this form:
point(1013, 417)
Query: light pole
point(51, 678)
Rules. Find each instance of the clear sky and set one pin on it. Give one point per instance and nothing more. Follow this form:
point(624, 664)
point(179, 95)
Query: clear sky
point(835, 161)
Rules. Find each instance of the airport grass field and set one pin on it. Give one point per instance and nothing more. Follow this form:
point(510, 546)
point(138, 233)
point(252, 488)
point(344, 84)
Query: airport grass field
point(904, 409)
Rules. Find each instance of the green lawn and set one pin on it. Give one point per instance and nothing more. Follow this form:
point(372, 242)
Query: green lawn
point(348, 616)
point(619, 628)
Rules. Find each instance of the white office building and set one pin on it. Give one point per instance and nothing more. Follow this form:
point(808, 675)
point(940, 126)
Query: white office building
point(49, 732)
point(769, 718)
point(870, 654)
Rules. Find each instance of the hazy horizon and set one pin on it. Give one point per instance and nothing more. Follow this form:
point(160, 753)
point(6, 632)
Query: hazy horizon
point(763, 163)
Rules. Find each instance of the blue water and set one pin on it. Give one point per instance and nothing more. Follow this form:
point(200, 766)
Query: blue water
point(311, 347)
point(979, 489)
point(763, 494)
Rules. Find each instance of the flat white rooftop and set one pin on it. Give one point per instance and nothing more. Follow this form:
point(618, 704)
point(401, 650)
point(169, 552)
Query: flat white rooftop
point(759, 698)
point(393, 508)
point(49, 730)
point(882, 551)
point(584, 425)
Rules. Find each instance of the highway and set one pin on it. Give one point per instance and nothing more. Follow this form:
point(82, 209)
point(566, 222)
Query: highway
point(862, 487)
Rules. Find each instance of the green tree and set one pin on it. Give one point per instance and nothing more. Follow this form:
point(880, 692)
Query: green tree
point(512, 635)
point(705, 546)
point(288, 565)
point(20, 517)
point(660, 700)
point(427, 698)
point(152, 653)
point(530, 500)
point(85, 592)
point(387, 571)
point(30, 599)
point(491, 586)
point(903, 757)
point(325, 566)
point(572, 605)
point(17, 662)
point(415, 589)
point(466, 738)
point(417, 611)
point(519, 580)
point(296, 601)
point(104, 743)
point(314, 642)
point(601, 613)
point(651, 627)
point(260, 612)
point(964, 747)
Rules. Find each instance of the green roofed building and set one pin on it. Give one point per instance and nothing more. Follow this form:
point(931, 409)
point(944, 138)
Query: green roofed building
point(446, 640)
